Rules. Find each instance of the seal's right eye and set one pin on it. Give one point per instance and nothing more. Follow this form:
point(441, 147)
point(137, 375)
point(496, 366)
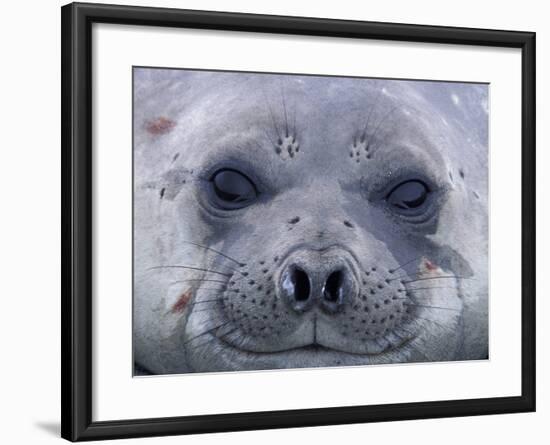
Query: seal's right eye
point(232, 189)
point(409, 195)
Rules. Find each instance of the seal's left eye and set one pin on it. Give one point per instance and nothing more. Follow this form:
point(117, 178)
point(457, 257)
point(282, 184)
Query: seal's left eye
point(233, 189)
point(408, 195)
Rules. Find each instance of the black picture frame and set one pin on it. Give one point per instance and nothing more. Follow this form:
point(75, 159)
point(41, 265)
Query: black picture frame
point(76, 248)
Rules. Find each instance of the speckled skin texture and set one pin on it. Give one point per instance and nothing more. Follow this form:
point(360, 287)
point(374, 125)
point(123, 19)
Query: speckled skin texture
point(323, 153)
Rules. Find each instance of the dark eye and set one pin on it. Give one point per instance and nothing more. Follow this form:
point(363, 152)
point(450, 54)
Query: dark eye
point(233, 189)
point(408, 195)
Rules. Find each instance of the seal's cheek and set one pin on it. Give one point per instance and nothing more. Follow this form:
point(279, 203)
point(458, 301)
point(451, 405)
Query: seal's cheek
point(181, 303)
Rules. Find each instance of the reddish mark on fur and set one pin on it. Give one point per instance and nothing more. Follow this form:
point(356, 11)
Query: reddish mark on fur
point(429, 265)
point(179, 305)
point(160, 125)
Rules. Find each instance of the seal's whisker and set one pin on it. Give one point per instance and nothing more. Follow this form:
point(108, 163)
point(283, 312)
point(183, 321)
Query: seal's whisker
point(405, 264)
point(214, 338)
point(284, 109)
point(384, 347)
point(206, 332)
point(431, 287)
point(388, 114)
point(199, 280)
point(433, 307)
point(216, 251)
point(436, 278)
point(446, 328)
point(412, 334)
point(214, 300)
point(271, 114)
point(270, 140)
point(294, 122)
point(417, 274)
point(191, 305)
point(202, 310)
point(418, 300)
point(221, 288)
point(227, 323)
point(411, 275)
point(410, 345)
point(204, 301)
point(217, 292)
point(202, 269)
point(365, 129)
point(400, 277)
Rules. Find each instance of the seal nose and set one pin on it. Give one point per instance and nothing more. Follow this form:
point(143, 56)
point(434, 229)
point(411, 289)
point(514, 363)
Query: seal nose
point(303, 287)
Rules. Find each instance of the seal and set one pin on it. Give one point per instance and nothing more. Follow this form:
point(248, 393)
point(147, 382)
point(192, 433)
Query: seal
point(291, 221)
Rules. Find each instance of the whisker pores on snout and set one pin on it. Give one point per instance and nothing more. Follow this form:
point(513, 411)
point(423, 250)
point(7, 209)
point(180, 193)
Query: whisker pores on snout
point(247, 303)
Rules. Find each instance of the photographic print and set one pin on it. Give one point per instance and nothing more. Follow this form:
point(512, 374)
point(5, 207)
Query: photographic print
point(300, 221)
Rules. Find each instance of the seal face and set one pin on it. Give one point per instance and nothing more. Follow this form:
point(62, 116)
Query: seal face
point(287, 221)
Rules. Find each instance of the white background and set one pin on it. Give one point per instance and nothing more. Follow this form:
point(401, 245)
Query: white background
point(29, 243)
point(116, 49)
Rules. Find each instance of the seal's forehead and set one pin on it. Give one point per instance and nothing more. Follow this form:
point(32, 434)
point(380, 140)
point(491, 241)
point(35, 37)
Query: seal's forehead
point(219, 109)
point(173, 90)
point(168, 86)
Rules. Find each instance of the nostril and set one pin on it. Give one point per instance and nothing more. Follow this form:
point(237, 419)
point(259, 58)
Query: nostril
point(333, 286)
point(302, 286)
point(296, 284)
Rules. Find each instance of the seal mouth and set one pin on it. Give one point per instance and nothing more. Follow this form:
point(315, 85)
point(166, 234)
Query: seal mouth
point(316, 348)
